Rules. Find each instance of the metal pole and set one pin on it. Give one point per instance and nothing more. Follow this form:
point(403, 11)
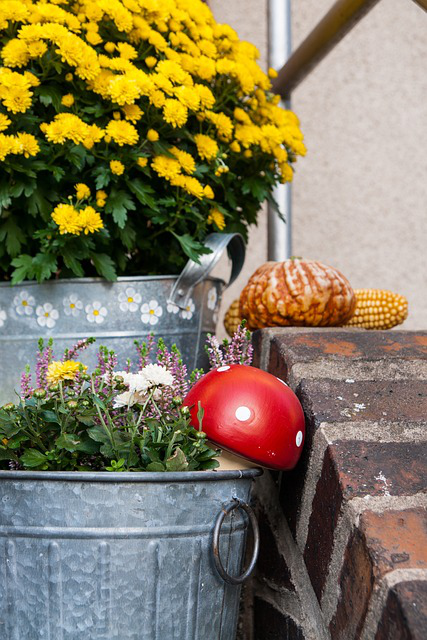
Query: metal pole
point(279, 32)
point(339, 20)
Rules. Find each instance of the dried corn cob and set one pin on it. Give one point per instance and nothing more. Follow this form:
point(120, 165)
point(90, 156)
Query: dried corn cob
point(378, 309)
point(232, 318)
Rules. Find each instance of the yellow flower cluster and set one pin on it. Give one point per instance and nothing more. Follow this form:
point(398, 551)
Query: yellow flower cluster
point(74, 221)
point(151, 100)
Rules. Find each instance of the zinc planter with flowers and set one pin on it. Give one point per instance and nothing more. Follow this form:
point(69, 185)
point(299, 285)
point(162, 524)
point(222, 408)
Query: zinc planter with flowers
point(108, 500)
point(129, 131)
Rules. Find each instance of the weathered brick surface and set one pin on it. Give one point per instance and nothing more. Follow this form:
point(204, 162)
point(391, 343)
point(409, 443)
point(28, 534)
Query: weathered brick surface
point(335, 401)
point(357, 469)
point(341, 501)
point(405, 613)
point(382, 542)
point(270, 624)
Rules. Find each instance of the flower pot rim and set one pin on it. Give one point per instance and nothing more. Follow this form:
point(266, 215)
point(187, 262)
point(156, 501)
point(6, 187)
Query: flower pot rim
point(59, 281)
point(131, 476)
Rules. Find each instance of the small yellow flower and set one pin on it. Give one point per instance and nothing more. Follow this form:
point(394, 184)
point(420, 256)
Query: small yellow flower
point(235, 146)
point(109, 47)
point(69, 77)
point(4, 122)
point(152, 135)
point(207, 190)
point(82, 191)
point(151, 62)
point(217, 218)
point(60, 371)
point(122, 132)
point(67, 219)
point(132, 112)
point(116, 115)
point(117, 167)
point(101, 194)
point(248, 153)
point(272, 73)
point(68, 100)
point(142, 162)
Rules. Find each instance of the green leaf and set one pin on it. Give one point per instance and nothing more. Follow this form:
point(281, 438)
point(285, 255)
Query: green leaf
point(177, 462)
point(49, 95)
point(37, 203)
point(5, 198)
point(155, 466)
point(32, 458)
point(102, 177)
point(44, 264)
point(72, 263)
point(23, 268)
point(49, 416)
point(192, 248)
point(143, 193)
point(58, 173)
point(104, 266)
point(12, 235)
point(98, 434)
point(88, 446)
point(212, 464)
point(118, 204)
point(67, 441)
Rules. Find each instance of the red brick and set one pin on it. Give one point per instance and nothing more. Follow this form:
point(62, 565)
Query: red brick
point(405, 612)
point(353, 468)
point(382, 542)
point(336, 401)
point(291, 346)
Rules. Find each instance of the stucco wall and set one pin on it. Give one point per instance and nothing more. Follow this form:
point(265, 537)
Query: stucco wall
point(360, 195)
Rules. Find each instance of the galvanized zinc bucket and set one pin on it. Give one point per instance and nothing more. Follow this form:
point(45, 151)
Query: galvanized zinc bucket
point(121, 556)
point(180, 309)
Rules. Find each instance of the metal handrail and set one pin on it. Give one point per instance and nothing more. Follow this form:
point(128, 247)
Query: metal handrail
point(339, 20)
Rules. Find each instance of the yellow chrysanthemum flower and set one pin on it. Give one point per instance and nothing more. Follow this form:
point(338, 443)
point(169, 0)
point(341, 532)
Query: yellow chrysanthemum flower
point(117, 167)
point(4, 122)
point(142, 162)
point(27, 144)
point(90, 220)
point(185, 159)
point(208, 192)
point(67, 218)
point(166, 167)
point(82, 191)
point(67, 100)
point(152, 135)
point(217, 218)
point(206, 146)
point(67, 370)
point(132, 112)
point(175, 113)
point(151, 62)
point(122, 132)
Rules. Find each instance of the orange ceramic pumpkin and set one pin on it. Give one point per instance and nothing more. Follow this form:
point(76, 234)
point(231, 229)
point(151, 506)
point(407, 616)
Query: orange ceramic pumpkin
point(296, 293)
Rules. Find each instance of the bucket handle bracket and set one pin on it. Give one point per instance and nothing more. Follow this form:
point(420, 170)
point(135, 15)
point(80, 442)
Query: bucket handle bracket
point(235, 503)
point(194, 272)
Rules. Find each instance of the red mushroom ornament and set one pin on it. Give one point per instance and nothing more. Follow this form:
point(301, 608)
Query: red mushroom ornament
point(250, 413)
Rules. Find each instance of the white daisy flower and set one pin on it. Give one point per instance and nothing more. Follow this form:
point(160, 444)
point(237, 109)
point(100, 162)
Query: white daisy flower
point(127, 399)
point(156, 375)
point(129, 300)
point(151, 312)
point(3, 317)
point(187, 313)
point(24, 304)
point(46, 315)
point(212, 298)
point(72, 305)
point(172, 308)
point(95, 312)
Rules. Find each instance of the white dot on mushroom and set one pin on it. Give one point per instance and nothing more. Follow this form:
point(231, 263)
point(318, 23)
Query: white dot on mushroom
point(243, 413)
point(298, 439)
point(225, 368)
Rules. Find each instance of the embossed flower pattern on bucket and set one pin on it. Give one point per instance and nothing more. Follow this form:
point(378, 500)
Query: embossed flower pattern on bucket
point(47, 315)
point(151, 312)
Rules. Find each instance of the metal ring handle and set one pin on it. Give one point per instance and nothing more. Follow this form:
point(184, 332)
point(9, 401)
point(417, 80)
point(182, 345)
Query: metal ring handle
point(193, 273)
point(234, 504)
